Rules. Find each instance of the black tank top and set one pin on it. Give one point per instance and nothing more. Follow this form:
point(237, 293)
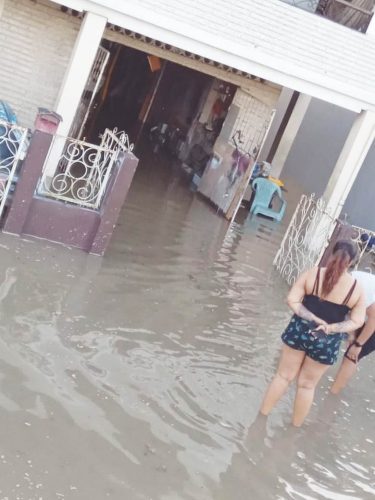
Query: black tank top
point(325, 309)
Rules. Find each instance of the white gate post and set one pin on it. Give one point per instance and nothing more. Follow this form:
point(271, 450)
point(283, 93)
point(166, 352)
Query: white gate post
point(290, 133)
point(349, 163)
point(82, 59)
point(77, 73)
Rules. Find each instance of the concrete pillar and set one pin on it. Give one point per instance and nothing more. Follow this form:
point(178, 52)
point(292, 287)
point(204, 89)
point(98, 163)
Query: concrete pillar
point(115, 197)
point(353, 154)
point(82, 58)
point(290, 134)
point(281, 109)
point(81, 61)
point(27, 182)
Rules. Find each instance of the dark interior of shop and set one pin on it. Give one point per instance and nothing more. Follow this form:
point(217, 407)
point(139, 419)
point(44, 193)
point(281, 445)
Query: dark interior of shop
point(158, 103)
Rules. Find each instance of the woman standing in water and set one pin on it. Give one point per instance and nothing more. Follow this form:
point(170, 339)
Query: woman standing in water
point(325, 302)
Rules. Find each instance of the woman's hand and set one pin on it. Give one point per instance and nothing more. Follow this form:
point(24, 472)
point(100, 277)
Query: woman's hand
point(324, 327)
point(354, 352)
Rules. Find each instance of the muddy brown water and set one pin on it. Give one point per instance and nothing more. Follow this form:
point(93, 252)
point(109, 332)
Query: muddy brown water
point(139, 376)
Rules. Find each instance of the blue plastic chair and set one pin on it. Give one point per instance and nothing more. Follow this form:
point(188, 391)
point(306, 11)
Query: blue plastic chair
point(265, 191)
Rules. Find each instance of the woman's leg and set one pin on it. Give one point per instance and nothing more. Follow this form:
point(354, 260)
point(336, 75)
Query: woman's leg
point(308, 378)
point(345, 373)
point(290, 363)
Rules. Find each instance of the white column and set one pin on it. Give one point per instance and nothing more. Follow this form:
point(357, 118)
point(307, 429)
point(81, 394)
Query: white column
point(2, 2)
point(281, 108)
point(81, 61)
point(290, 134)
point(353, 154)
point(82, 58)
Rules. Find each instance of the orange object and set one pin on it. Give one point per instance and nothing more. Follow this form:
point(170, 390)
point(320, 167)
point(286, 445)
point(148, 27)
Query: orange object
point(278, 182)
point(154, 62)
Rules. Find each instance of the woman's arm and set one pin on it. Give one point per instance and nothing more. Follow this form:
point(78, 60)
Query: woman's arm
point(366, 332)
point(295, 298)
point(354, 322)
point(369, 327)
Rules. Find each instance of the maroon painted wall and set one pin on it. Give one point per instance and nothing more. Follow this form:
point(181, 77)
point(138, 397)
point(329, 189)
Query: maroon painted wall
point(55, 220)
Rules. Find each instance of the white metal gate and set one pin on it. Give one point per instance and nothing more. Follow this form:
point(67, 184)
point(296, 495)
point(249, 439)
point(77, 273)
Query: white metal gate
point(306, 238)
point(13, 146)
point(309, 234)
point(81, 172)
point(92, 87)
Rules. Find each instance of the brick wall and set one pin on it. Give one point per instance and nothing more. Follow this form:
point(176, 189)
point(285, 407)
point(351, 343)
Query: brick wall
point(252, 120)
point(36, 41)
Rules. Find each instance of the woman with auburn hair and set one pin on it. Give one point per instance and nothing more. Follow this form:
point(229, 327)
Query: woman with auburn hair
point(326, 302)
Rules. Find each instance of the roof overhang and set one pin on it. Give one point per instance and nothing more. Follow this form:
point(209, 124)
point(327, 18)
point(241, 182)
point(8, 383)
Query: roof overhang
point(250, 59)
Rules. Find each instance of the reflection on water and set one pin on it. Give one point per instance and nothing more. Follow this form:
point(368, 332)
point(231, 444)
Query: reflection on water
point(139, 376)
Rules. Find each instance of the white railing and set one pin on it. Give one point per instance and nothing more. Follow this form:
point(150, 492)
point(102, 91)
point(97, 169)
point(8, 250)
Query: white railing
point(13, 147)
point(309, 234)
point(306, 238)
point(81, 171)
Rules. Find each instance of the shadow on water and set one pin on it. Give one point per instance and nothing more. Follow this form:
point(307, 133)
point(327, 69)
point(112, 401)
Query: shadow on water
point(140, 375)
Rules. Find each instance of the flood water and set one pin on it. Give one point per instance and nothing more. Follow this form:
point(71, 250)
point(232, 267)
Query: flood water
point(139, 376)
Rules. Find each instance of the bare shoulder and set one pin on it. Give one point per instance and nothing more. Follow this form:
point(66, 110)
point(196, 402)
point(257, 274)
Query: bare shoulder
point(308, 278)
point(311, 273)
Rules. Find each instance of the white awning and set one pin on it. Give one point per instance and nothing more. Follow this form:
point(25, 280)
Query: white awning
point(269, 39)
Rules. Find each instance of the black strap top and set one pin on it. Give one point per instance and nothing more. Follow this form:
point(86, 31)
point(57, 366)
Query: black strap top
point(331, 312)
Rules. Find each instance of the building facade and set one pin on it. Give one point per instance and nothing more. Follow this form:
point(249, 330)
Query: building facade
point(274, 68)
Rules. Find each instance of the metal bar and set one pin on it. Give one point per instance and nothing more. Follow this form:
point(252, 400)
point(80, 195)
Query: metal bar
point(88, 170)
point(67, 199)
point(102, 61)
point(122, 142)
point(286, 235)
point(105, 181)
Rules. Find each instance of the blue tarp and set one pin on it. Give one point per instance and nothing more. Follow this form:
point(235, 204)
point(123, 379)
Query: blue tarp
point(8, 139)
point(7, 114)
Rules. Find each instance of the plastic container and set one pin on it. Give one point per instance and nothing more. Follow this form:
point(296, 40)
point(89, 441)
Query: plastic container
point(47, 121)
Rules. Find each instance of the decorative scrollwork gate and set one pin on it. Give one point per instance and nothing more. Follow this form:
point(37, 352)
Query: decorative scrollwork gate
point(311, 231)
point(13, 146)
point(306, 238)
point(81, 171)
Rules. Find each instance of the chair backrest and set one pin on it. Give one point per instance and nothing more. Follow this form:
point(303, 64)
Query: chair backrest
point(264, 191)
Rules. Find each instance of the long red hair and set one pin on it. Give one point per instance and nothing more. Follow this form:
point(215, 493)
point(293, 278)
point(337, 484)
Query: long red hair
point(344, 252)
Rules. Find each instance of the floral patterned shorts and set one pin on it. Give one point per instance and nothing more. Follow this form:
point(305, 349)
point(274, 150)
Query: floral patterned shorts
point(321, 347)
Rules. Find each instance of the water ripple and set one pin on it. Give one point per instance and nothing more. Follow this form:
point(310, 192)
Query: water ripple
point(140, 375)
